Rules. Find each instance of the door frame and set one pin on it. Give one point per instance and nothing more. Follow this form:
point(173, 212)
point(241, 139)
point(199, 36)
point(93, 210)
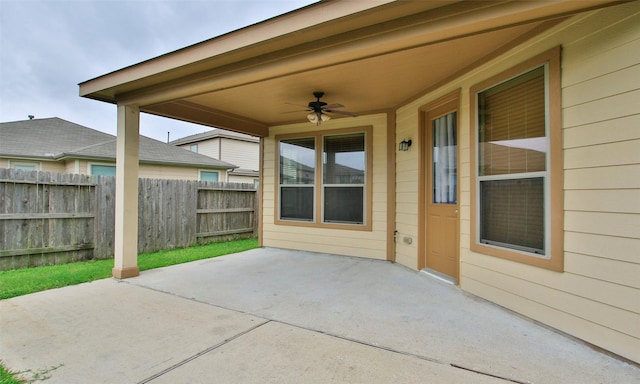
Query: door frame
point(423, 193)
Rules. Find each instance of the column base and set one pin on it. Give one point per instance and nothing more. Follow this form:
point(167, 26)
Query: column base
point(125, 273)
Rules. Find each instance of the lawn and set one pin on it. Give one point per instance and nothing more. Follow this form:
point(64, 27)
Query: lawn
point(7, 377)
point(29, 280)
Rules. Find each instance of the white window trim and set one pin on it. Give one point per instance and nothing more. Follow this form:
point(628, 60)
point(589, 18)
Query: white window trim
point(22, 163)
point(91, 164)
point(210, 171)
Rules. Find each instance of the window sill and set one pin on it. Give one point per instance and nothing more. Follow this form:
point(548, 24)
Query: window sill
point(343, 227)
point(553, 263)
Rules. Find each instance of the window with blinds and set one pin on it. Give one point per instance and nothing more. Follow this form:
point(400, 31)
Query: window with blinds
point(343, 169)
point(512, 162)
point(297, 178)
point(324, 180)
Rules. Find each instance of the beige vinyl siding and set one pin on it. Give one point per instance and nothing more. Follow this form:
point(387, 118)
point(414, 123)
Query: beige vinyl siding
point(597, 297)
point(370, 244)
point(241, 153)
point(601, 95)
point(83, 167)
point(72, 166)
point(242, 179)
point(244, 154)
point(407, 190)
point(52, 166)
point(153, 171)
point(209, 148)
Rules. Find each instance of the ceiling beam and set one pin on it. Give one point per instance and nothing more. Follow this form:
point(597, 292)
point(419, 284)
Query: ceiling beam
point(194, 113)
point(429, 27)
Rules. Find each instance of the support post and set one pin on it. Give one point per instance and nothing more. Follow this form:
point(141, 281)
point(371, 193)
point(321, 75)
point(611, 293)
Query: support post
point(126, 215)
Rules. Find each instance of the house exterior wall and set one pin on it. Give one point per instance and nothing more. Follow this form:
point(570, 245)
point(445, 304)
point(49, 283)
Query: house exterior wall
point(597, 297)
point(150, 171)
point(342, 242)
point(73, 166)
point(242, 179)
point(244, 154)
point(153, 171)
point(209, 148)
point(46, 166)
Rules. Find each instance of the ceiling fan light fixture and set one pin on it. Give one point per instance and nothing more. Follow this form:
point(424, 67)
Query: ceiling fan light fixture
point(319, 109)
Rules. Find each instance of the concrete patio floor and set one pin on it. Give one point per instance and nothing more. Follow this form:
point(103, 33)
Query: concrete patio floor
point(279, 316)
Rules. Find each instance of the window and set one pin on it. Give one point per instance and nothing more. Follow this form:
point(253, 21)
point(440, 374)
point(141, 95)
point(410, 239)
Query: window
point(324, 179)
point(343, 167)
point(297, 178)
point(194, 148)
point(25, 165)
point(209, 175)
point(103, 170)
point(517, 189)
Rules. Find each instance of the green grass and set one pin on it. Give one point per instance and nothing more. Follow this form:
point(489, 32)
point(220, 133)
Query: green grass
point(29, 280)
point(7, 377)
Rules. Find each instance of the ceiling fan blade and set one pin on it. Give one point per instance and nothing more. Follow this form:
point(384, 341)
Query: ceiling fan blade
point(333, 106)
point(345, 113)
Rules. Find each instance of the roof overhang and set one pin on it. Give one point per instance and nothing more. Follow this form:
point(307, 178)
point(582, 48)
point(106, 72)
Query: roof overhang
point(370, 56)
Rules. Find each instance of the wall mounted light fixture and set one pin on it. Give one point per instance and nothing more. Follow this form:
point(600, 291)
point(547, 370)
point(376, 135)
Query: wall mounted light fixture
point(404, 145)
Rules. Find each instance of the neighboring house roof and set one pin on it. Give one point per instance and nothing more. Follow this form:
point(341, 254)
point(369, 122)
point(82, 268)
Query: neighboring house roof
point(57, 139)
point(244, 172)
point(214, 134)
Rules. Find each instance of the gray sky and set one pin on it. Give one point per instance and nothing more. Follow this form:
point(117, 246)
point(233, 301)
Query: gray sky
point(48, 47)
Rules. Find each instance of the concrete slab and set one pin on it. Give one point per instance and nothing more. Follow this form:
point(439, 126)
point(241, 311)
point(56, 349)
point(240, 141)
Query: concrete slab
point(271, 315)
point(283, 354)
point(383, 304)
point(109, 332)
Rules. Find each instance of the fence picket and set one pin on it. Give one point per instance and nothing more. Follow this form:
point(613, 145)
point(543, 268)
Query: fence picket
point(51, 218)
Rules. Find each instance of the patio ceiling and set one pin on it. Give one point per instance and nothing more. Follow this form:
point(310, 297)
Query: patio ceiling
point(369, 56)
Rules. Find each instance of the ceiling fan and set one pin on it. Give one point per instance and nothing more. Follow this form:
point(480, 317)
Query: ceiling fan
point(319, 110)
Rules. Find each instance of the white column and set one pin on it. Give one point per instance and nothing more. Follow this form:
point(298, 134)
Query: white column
point(126, 225)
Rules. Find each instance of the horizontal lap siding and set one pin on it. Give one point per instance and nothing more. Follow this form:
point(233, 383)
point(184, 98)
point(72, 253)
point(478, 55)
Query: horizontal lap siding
point(50, 166)
point(597, 297)
point(407, 189)
point(371, 244)
point(151, 171)
point(601, 102)
point(244, 154)
point(209, 147)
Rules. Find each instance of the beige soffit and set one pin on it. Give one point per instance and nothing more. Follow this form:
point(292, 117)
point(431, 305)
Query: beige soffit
point(367, 55)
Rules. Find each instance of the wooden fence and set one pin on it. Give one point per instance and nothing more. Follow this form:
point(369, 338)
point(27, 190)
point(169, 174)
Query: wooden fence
point(55, 218)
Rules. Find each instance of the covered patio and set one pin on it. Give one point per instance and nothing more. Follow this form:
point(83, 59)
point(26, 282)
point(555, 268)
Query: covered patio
point(372, 57)
point(280, 316)
point(400, 66)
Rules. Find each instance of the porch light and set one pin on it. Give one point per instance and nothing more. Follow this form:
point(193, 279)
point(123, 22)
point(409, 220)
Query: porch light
point(404, 145)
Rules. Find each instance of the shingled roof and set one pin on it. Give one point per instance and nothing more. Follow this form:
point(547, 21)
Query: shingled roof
point(57, 139)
